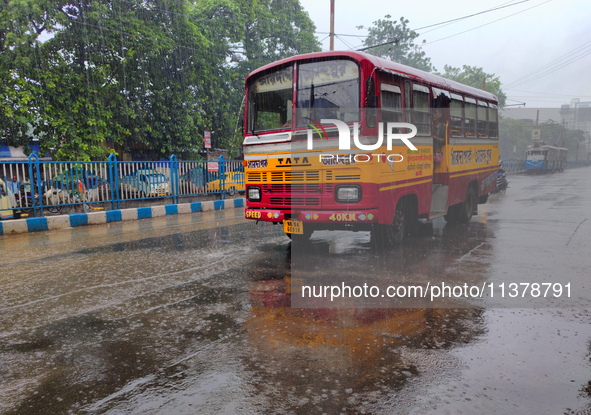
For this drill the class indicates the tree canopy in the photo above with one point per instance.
(149, 76)
(476, 77)
(393, 40)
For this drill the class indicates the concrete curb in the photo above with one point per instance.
(95, 218)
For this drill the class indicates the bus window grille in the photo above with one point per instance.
(276, 201)
(312, 201)
(347, 177)
(296, 201)
(297, 176)
(313, 188)
(275, 188)
(254, 177)
(312, 175)
(298, 188)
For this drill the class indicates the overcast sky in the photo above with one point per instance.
(547, 41)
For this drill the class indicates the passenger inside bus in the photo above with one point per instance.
(439, 134)
(440, 126)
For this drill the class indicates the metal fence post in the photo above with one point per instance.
(114, 180)
(222, 170)
(32, 184)
(174, 179)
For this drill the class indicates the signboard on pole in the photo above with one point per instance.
(213, 166)
(207, 139)
(536, 134)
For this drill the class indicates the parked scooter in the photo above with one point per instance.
(502, 182)
(25, 198)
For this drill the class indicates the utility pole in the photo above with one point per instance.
(563, 127)
(331, 25)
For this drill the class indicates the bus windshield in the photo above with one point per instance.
(328, 89)
(325, 89)
(270, 99)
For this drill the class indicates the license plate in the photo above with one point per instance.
(295, 227)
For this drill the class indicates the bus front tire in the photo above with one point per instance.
(403, 224)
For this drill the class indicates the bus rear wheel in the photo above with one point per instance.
(467, 208)
(464, 211)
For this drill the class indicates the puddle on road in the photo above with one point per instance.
(200, 321)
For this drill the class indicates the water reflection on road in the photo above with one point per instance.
(193, 315)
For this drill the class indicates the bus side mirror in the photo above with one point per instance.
(371, 112)
(372, 101)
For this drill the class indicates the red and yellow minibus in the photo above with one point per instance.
(299, 173)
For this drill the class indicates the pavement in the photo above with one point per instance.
(119, 215)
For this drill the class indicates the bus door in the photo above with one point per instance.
(441, 116)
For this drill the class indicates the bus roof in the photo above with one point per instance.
(388, 66)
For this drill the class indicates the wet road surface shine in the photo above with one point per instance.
(192, 315)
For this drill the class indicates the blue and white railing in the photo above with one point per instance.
(38, 187)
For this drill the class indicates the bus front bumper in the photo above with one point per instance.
(314, 216)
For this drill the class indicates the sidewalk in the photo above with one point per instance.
(96, 218)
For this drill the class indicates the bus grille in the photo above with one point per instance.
(344, 175)
(256, 177)
(289, 176)
(292, 188)
(295, 201)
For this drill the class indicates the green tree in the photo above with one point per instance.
(124, 72)
(476, 77)
(393, 40)
(246, 35)
(514, 137)
(556, 134)
(147, 76)
(22, 22)
(516, 134)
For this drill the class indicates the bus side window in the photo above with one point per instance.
(391, 99)
(407, 102)
(456, 116)
(481, 113)
(470, 117)
(493, 121)
(421, 109)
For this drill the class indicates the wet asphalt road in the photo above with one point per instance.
(191, 315)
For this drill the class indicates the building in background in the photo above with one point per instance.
(577, 116)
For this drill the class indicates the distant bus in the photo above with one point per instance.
(544, 158)
(326, 188)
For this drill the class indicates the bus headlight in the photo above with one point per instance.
(348, 193)
(254, 194)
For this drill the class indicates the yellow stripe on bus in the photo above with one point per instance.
(472, 172)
